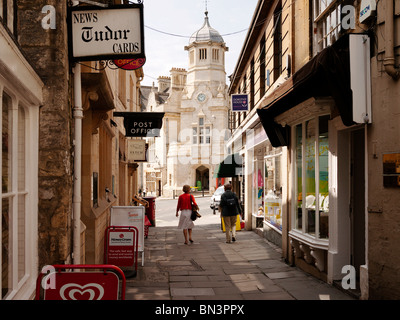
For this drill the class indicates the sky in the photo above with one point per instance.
(176, 20)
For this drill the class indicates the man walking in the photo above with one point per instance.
(230, 209)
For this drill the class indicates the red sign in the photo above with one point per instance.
(121, 246)
(82, 285)
(130, 64)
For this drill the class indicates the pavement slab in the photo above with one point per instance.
(210, 269)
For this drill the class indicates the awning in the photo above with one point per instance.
(142, 124)
(327, 74)
(230, 167)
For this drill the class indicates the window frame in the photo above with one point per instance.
(321, 17)
(295, 229)
(201, 133)
(22, 230)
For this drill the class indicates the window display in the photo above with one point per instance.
(299, 175)
(273, 189)
(258, 187)
(314, 167)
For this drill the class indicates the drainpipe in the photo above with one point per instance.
(77, 199)
(77, 196)
(389, 61)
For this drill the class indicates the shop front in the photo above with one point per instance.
(266, 174)
(314, 118)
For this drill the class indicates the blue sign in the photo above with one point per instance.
(240, 102)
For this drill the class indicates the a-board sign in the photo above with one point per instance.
(84, 286)
(89, 282)
(130, 216)
(121, 247)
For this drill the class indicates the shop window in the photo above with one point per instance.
(273, 188)
(299, 176)
(311, 177)
(258, 186)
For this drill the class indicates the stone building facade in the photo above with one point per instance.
(48, 52)
(22, 93)
(326, 93)
(38, 147)
(196, 117)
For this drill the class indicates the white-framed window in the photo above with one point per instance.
(201, 134)
(273, 188)
(327, 23)
(16, 219)
(8, 14)
(311, 177)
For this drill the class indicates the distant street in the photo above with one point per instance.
(166, 209)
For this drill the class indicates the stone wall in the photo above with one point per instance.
(47, 51)
(383, 138)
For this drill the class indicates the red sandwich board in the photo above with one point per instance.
(121, 246)
(81, 282)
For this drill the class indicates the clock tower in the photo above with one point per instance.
(204, 107)
(206, 57)
(195, 125)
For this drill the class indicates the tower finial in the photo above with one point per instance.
(206, 12)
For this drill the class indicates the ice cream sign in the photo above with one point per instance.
(106, 33)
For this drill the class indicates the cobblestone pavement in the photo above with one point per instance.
(210, 269)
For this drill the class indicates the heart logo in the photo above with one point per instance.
(90, 291)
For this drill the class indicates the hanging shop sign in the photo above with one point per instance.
(142, 124)
(137, 150)
(115, 32)
(240, 102)
(130, 64)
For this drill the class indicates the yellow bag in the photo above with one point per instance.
(238, 227)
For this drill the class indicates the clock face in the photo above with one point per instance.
(201, 97)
